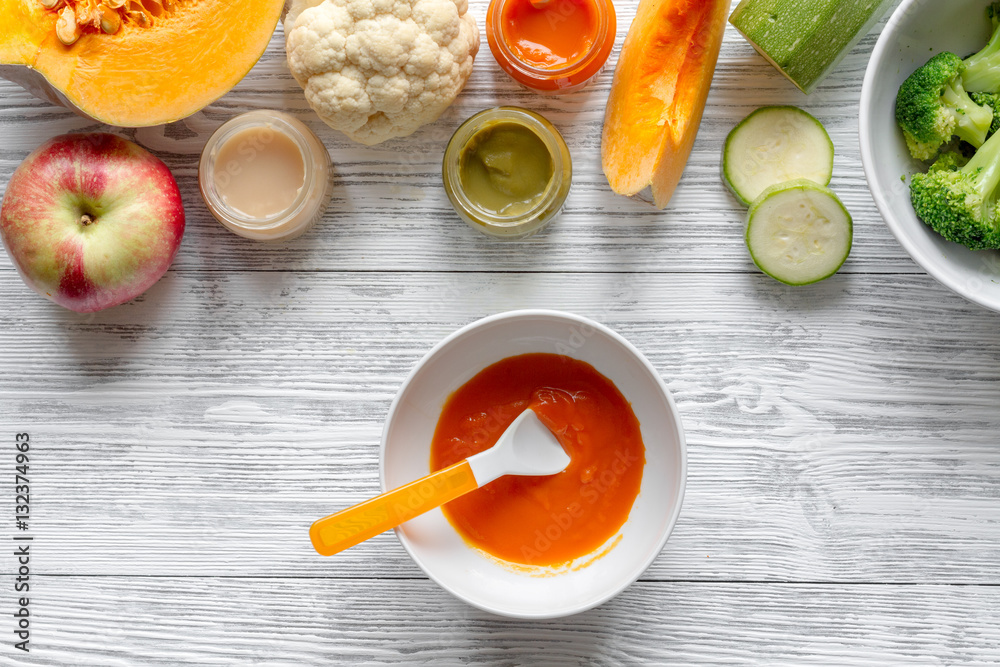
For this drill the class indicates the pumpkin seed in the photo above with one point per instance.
(140, 16)
(111, 21)
(66, 28)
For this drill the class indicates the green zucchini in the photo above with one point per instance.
(806, 39)
(798, 232)
(773, 145)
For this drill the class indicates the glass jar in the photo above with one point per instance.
(526, 217)
(551, 46)
(265, 176)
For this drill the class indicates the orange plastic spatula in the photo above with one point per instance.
(527, 447)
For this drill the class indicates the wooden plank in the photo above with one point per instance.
(842, 432)
(206, 620)
(390, 210)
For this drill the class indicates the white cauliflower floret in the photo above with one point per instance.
(378, 69)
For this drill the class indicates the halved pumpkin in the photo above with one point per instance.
(658, 94)
(163, 61)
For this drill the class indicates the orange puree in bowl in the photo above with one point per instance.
(544, 520)
(551, 35)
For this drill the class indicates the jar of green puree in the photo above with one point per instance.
(507, 172)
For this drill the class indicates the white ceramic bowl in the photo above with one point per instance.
(480, 580)
(917, 30)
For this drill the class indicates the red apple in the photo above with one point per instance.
(91, 220)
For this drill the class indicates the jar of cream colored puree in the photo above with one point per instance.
(265, 176)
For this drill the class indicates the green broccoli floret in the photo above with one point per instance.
(932, 106)
(960, 202)
(982, 70)
(949, 161)
(991, 100)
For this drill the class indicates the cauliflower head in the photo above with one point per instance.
(378, 69)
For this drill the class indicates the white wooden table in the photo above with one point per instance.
(843, 500)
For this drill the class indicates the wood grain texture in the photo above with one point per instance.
(843, 500)
(205, 621)
(836, 433)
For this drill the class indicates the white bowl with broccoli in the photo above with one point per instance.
(917, 31)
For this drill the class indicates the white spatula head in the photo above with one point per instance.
(527, 447)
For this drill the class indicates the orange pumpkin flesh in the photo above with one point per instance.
(190, 56)
(658, 94)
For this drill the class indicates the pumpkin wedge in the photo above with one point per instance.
(132, 63)
(659, 92)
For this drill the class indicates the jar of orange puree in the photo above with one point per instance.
(551, 46)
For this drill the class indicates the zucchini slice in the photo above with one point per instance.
(798, 232)
(774, 145)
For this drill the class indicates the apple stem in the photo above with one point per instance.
(86, 219)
